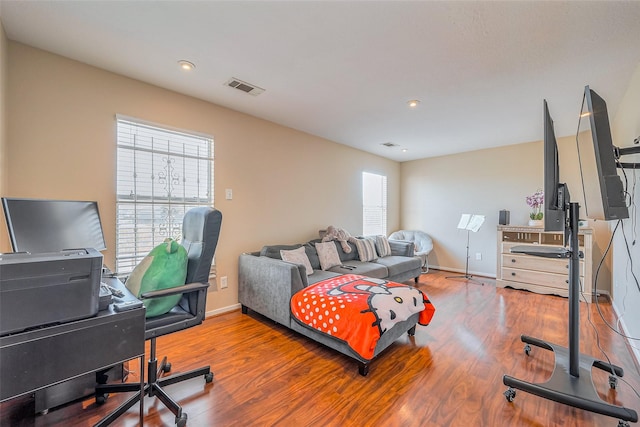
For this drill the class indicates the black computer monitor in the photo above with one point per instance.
(555, 193)
(38, 225)
(602, 189)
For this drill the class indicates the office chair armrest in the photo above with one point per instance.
(188, 288)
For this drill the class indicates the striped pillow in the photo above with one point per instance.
(366, 249)
(382, 246)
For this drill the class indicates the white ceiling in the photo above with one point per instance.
(344, 70)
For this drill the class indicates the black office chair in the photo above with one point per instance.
(200, 231)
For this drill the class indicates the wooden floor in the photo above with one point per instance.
(449, 374)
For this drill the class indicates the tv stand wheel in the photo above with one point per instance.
(623, 423)
(208, 377)
(527, 349)
(510, 394)
(166, 368)
(613, 381)
(101, 398)
(182, 420)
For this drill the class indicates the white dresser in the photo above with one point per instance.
(537, 274)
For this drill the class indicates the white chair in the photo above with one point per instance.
(422, 241)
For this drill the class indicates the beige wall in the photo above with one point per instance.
(626, 291)
(4, 243)
(286, 184)
(436, 191)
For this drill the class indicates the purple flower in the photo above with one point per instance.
(536, 201)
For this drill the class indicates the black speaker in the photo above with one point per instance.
(504, 217)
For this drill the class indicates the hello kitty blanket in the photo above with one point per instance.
(359, 309)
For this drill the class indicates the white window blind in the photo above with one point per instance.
(374, 204)
(161, 173)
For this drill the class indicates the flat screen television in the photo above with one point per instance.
(38, 225)
(556, 194)
(602, 189)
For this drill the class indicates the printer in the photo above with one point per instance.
(48, 288)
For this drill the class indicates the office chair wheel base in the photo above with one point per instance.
(181, 421)
(101, 398)
(613, 381)
(510, 394)
(527, 349)
(208, 377)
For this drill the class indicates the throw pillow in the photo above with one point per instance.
(382, 246)
(328, 255)
(366, 249)
(297, 256)
(163, 268)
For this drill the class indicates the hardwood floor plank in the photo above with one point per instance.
(448, 374)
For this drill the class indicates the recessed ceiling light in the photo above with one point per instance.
(186, 65)
(404, 150)
(413, 103)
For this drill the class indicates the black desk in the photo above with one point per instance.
(43, 357)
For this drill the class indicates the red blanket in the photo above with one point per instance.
(359, 309)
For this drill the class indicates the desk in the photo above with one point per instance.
(43, 357)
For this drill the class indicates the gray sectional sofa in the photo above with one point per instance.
(266, 284)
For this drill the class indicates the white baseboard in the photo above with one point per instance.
(457, 270)
(222, 310)
(633, 346)
(603, 293)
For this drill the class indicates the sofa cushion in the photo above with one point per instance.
(312, 254)
(382, 246)
(273, 251)
(369, 269)
(297, 256)
(328, 255)
(344, 256)
(366, 249)
(399, 264)
(320, 275)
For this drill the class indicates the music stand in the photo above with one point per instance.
(470, 223)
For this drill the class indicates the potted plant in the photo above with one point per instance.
(536, 202)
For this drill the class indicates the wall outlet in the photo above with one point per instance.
(478, 256)
(223, 282)
(228, 194)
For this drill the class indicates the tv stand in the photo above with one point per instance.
(571, 382)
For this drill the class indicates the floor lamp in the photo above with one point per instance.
(470, 223)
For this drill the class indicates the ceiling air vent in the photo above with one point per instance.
(244, 86)
(389, 144)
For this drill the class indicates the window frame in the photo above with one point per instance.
(376, 208)
(180, 161)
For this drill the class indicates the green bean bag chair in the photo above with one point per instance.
(163, 268)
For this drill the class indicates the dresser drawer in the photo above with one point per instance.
(552, 280)
(538, 274)
(549, 265)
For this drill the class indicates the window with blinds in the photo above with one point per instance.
(374, 204)
(161, 173)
